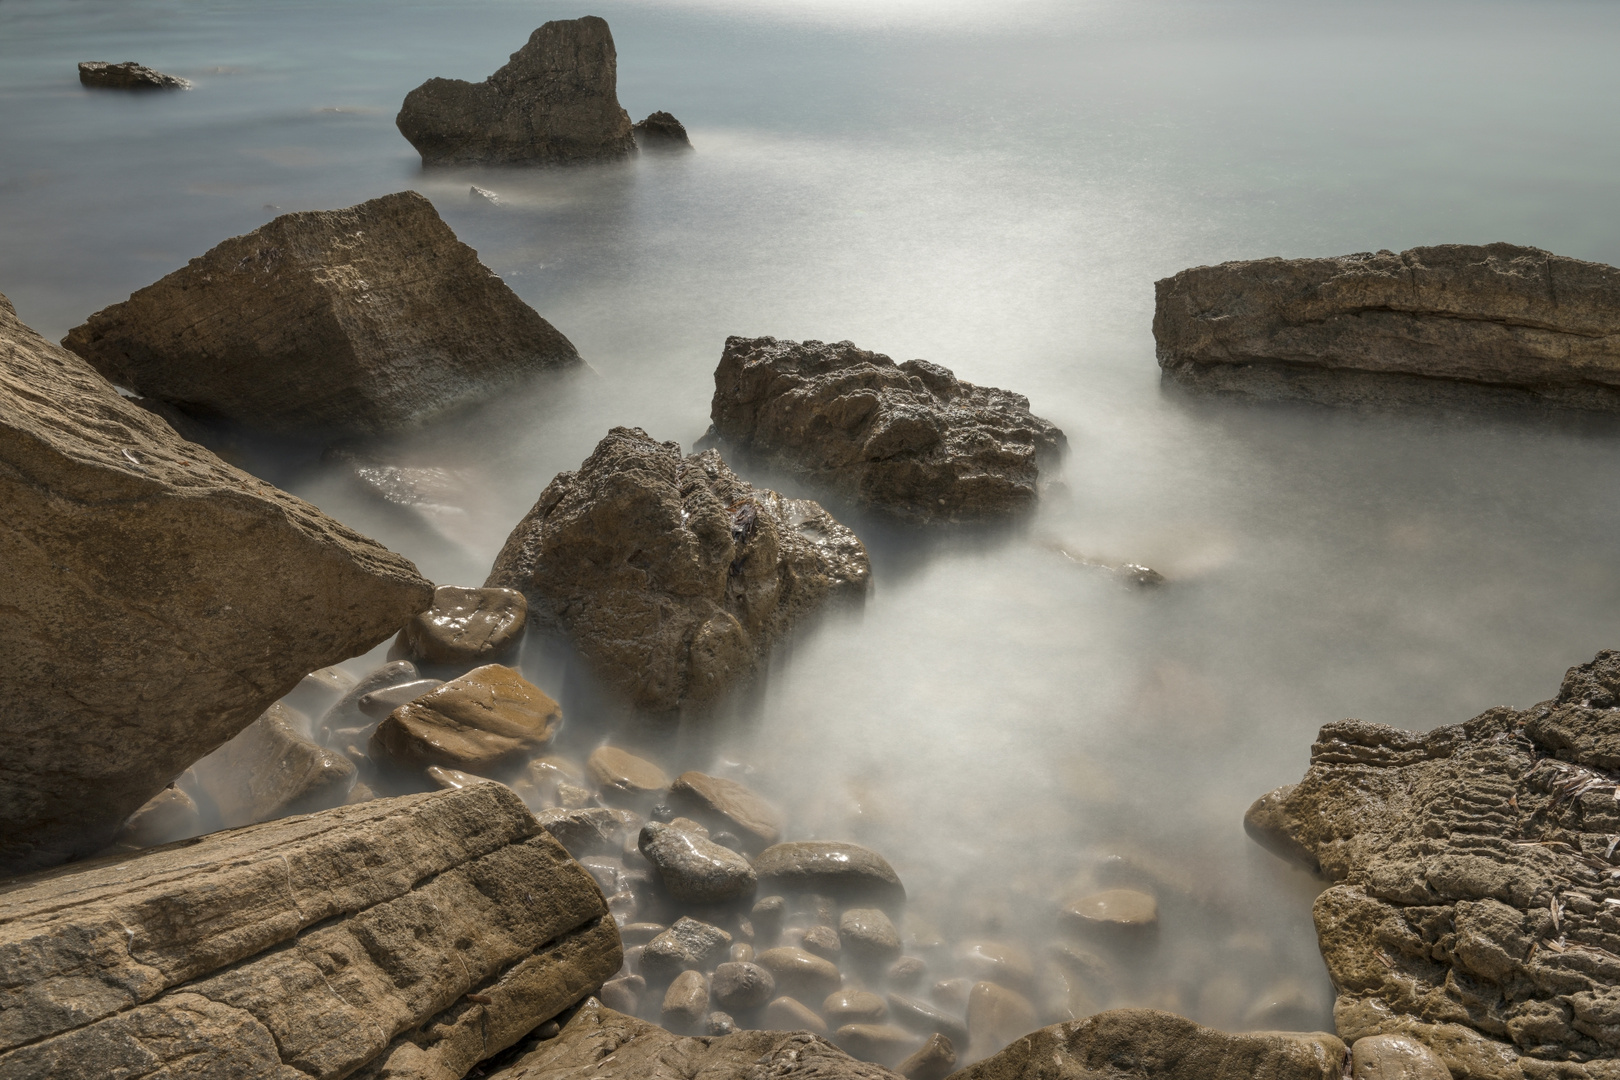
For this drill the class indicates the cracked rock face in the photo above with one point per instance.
(673, 576)
(1475, 905)
(910, 439)
(1455, 323)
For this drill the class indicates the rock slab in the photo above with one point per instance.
(360, 320)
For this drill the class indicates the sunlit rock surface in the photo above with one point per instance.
(364, 319)
(1492, 324)
(466, 626)
(158, 601)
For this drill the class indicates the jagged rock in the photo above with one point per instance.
(910, 438)
(1472, 904)
(673, 576)
(1490, 324)
(466, 626)
(689, 945)
(131, 558)
(832, 868)
(362, 320)
(1127, 1044)
(271, 770)
(407, 937)
(128, 76)
(555, 102)
(661, 131)
(489, 720)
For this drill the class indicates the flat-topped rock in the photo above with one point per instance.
(363, 320)
(1495, 323)
(838, 869)
(466, 626)
(911, 439)
(127, 76)
(490, 719)
(728, 804)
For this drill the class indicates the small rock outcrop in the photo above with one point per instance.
(127, 76)
(673, 576)
(1474, 880)
(1453, 323)
(408, 937)
(910, 439)
(556, 102)
(133, 559)
(359, 320)
(466, 626)
(661, 131)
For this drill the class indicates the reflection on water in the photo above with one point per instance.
(995, 193)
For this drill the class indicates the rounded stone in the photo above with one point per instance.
(907, 972)
(885, 1044)
(1113, 909)
(922, 1017)
(996, 1016)
(998, 962)
(790, 1014)
(624, 993)
(869, 934)
(693, 869)
(853, 1007)
(849, 872)
(377, 704)
(620, 772)
(686, 1002)
(741, 985)
(688, 945)
(466, 626)
(1395, 1057)
(742, 952)
(799, 973)
(823, 941)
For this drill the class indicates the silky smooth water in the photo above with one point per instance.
(993, 187)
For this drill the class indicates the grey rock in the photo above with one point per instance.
(790, 1014)
(869, 934)
(688, 945)
(842, 870)
(695, 870)
(767, 915)
(740, 986)
(127, 76)
(661, 131)
(719, 1023)
(800, 974)
(270, 771)
(345, 712)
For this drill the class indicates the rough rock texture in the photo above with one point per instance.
(407, 937)
(693, 868)
(1145, 1044)
(600, 1044)
(466, 626)
(910, 438)
(270, 770)
(1494, 323)
(130, 76)
(358, 320)
(661, 131)
(1474, 906)
(157, 601)
(556, 102)
(673, 576)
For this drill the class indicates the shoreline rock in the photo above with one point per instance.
(104, 75)
(661, 131)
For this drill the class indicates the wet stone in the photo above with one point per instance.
(907, 972)
(823, 941)
(790, 1014)
(1116, 910)
(1395, 1057)
(619, 772)
(767, 914)
(607, 870)
(742, 953)
(319, 691)
(466, 626)
(270, 771)
(169, 815)
(801, 974)
(848, 872)
(885, 1044)
(935, 1060)
(952, 993)
(454, 778)
(346, 714)
(719, 1023)
(624, 993)
(998, 962)
(853, 1007)
(730, 805)
(686, 1002)
(129, 75)
(996, 1016)
(868, 934)
(920, 1016)
(490, 719)
(639, 933)
(377, 704)
(693, 869)
(687, 825)
(741, 985)
(590, 830)
(688, 945)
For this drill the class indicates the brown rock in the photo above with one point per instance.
(377, 704)
(689, 945)
(907, 971)
(466, 626)
(169, 815)
(823, 941)
(129, 76)
(619, 772)
(270, 771)
(1112, 910)
(766, 915)
(624, 993)
(742, 952)
(740, 985)
(883, 1043)
(673, 576)
(490, 719)
(364, 319)
(935, 1060)
(833, 868)
(728, 805)
(853, 1007)
(869, 934)
(923, 1017)
(1395, 1057)
(996, 1016)
(910, 439)
(693, 869)
(790, 1014)
(555, 102)
(997, 961)
(345, 712)
(686, 1002)
(590, 830)
(800, 974)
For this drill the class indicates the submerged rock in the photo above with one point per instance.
(466, 626)
(661, 131)
(935, 1060)
(366, 319)
(1496, 323)
(127, 76)
(271, 770)
(910, 438)
(728, 804)
(171, 814)
(131, 558)
(555, 102)
(490, 719)
(689, 945)
(673, 576)
(742, 985)
(838, 869)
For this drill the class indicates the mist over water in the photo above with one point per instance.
(993, 188)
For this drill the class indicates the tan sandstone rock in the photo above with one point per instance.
(271, 770)
(466, 626)
(490, 719)
(727, 804)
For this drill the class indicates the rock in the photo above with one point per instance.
(728, 804)
(1113, 911)
(766, 915)
(319, 691)
(270, 771)
(132, 76)
(345, 713)
(935, 1060)
(719, 1023)
(455, 778)
(686, 1002)
(673, 576)
(1266, 822)
(661, 131)
(688, 826)
(262, 952)
(600, 1044)
(742, 952)
(483, 197)
(693, 869)
(1285, 1005)
(466, 626)
(377, 704)
(910, 439)
(740, 986)
(907, 971)
(169, 815)
(132, 558)
(638, 933)
(689, 945)
(624, 993)
(922, 1017)
(883, 1043)
(847, 871)
(556, 102)
(1395, 1057)
(789, 1014)
(996, 1016)
(1160, 1045)
(853, 1007)
(619, 772)
(491, 718)
(869, 934)
(544, 778)
(1455, 322)
(997, 961)
(800, 974)
(590, 830)
(361, 320)
(953, 992)
(823, 941)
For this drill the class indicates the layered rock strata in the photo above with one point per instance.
(1475, 904)
(910, 439)
(267, 952)
(673, 576)
(359, 320)
(1495, 323)
(127, 76)
(158, 601)
(555, 102)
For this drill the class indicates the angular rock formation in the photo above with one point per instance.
(158, 601)
(673, 576)
(556, 102)
(1474, 898)
(127, 76)
(1490, 324)
(407, 937)
(910, 438)
(661, 131)
(358, 320)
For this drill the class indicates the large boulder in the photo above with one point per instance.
(158, 601)
(673, 576)
(910, 439)
(1473, 895)
(1454, 323)
(408, 938)
(555, 102)
(357, 320)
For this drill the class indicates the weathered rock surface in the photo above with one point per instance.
(661, 131)
(689, 945)
(1395, 1057)
(1492, 323)
(466, 626)
(266, 952)
(837, 869)
(1473, 905)
(1145, 1044)
(673, 576)
(740, 986)
(363, 320)
(694, 869)
(131, 558)
(933, 1061)
(555, 102)
(589, 830)
(910, 438)
(270, 770)
(132, 76)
